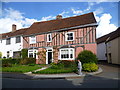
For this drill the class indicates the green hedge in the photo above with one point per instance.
(89, 67)
(87, 57)
(9, 61)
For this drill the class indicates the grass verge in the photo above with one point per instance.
(20, 68)
(54, 71)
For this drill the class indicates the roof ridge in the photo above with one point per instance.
(62, 18)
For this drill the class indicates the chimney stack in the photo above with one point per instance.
(59, 17)
(13, 27)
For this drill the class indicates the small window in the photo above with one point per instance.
(69, 36)
(49, 37)
(18, 39)
(8, 54)
(32, 39)
(8, 41)
(67, 54)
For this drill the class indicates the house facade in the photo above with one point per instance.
(53, 40)
(113, 47)
(11, 43)
(60, 39)
(108, 47)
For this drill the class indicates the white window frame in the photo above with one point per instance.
(33, 51)
(66, 36)
(69, 52)
(50, 37)
(30, 39)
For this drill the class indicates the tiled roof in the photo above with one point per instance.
(51, 25)
(57, 24)
(109, 36)
(11, 34)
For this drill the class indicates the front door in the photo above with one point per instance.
(49, 55)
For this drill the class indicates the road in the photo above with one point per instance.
(107, 79)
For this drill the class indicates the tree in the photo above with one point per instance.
(0, 54)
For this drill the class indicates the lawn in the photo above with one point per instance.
(55, 71)
(20, 68)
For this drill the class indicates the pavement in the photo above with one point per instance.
(29, 75)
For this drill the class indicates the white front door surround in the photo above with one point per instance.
(49, 55)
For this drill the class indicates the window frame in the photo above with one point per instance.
(8, 42)
(69, 53)
(33, 52)
(49, 37)
(66, 36)
(30, 40)
(18, 39)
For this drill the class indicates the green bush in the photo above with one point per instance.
(24, 53)
(28, 61)
(87, 57)
(89, 67)
(68, 63)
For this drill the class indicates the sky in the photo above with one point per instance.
(24, 14)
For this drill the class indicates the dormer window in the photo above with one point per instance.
(69, 36)
(8, 40)
(32, 39)
(49, 37)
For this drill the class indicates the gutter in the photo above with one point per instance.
(81, 26)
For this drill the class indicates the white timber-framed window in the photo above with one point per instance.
(69, 36)
(32, 53)
(49, 37)
(67, 54)
(32, 39)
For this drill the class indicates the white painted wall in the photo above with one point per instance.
(11, 47)
(101, 51)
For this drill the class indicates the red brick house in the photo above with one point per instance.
(61, 39)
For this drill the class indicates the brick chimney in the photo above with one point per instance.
(59, 17)
(14, 27)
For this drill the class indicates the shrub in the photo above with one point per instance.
(87, 57)
(68, 63)
(9, 61)
(89, 67)
(28, 61)
(24, 53)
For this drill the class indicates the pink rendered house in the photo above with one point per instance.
(60, 39)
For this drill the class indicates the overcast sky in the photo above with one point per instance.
(23, 14)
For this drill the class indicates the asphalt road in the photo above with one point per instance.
(107, 79)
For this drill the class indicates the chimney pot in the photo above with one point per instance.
(13, 27)
(59, 17)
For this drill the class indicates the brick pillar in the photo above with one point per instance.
(55, 54)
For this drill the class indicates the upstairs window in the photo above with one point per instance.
(8, 40)
(32, 39)
(18, 39)
(49, 37)
(69, 36)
